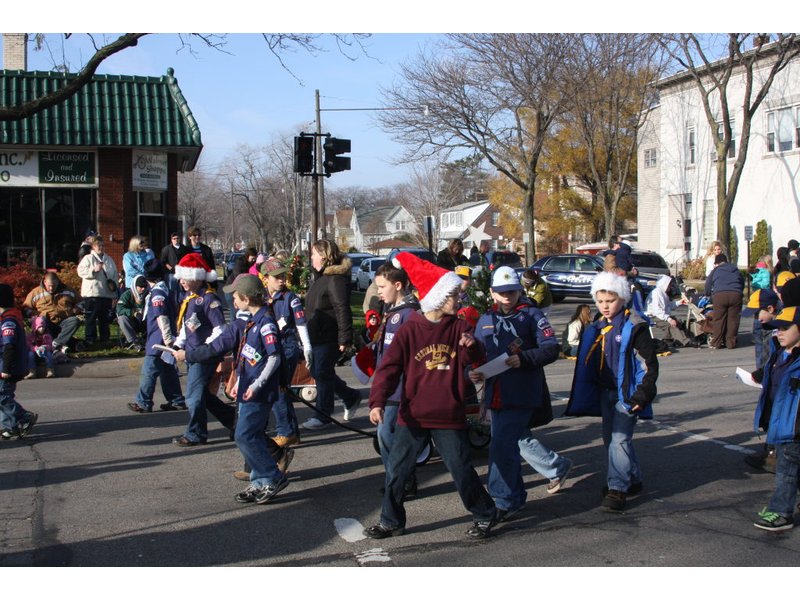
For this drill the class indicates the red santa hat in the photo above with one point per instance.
(433, 283)
(363, 365)
(194, 268)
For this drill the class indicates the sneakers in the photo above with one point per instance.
(556, 484)
(8, 434)
(50, 373)
(481, 529)
(314, 423)
(615, 500)
(31, 374)
(185, 442)
(771, 521)
(168, 406)
(283, 440)
(634, 490)
(350, 413)
(24, 427)
(381, 531)
(137, 408)
(285, 459)
(248, 494)
(267, 493)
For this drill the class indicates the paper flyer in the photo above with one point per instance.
(746, 378)
(494, 366)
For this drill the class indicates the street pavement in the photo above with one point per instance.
(97, 485)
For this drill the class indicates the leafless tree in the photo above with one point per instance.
(757, 68)
(199, 197)
(497, 94)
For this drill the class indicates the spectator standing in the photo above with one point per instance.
(714, 250)
(476, 258)
(15, 421)
(622, 255)
(86, 246)
(98, 289)
(130, 313)
(452, 256)
(725, 286)
(58, 304)
(133, 261)
(173, 252)
(330, 329)
(197, 247)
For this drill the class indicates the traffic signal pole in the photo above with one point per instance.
(319, 188)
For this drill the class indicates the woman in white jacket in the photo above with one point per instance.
(98, 289)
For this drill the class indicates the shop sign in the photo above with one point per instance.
(50, 168)
(149, 170)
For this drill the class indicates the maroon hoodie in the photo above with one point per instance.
(433, 368)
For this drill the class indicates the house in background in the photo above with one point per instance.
(381, 224)
(677, 208)
(472, 222)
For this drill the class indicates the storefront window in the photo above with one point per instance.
(151, 218)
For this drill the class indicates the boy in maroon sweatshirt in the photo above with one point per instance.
(431, 352)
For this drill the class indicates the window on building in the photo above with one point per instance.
(445, 220)
(721, 134)
(782, 126)
(151, 217)
(650, 158)
(495, 218)
(458, 221)
(709, 222)
(691, 144)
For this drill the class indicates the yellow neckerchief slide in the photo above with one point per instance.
(185, 304)
(601, 339)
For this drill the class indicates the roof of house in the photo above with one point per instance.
(464, 206)
(110, 111)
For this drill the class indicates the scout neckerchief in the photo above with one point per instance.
(242, 342)
(504, 322)
(601, 339)
(185, 304)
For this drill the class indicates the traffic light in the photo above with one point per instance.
(333, 162)
(304, 154)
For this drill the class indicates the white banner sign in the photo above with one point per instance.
(19, 168)
(149, 170)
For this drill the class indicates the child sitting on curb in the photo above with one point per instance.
(40, 348)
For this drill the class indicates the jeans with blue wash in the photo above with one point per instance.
(385, 433)
(11, 411)
(199, 399)
(505, 471)
(62, 332)
(154, 368)
(787, 468)
(47, 358)
(323, 370)
(453, 447)
(283, 409)
(544, 461)
(256, 448)
(618, 424)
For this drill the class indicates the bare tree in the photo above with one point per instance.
(295, 194)
(497, 94)
(757, 68)
(199, 197)
(611, 75)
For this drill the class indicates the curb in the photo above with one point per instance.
(100, 368)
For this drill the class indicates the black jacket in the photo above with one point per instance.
(327, 306)
(170, 255)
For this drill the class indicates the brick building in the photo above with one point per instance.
(105, 160)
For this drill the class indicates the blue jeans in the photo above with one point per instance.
(11, 411)
(251, 438)
(505, 472)
(62, 333)
(154, 368)
(199, 399)
(454, 449)
(47, 358)
(283, 409)
(386, 433)
(623, 466)
(323, 370)
(786, 477)
(543, 460)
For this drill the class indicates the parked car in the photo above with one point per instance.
(647, 261)
(503, 258)
(573, 274)
(230, 262)
(366, 272)
(355, 259)
(422, 253)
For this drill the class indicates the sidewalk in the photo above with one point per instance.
(100, 367)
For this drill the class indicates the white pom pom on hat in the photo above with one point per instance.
(609, 282)
(192, 267)
(433, 283)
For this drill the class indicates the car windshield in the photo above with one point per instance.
(648, 260)
(558, 263)
(357, 260)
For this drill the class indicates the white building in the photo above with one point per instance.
(677, 209)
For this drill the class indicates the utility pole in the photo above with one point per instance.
(320, 188)
(233, 222)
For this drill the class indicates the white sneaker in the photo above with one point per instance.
(350, 413)
(313, 423)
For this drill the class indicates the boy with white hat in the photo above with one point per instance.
(429, 354)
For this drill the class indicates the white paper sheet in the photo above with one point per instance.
(494, 366)
(746, 378)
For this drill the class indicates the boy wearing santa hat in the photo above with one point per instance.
(429, 355)
(200, 320)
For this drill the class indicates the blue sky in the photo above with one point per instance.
(244, 95)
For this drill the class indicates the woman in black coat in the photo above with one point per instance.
(330, 327)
